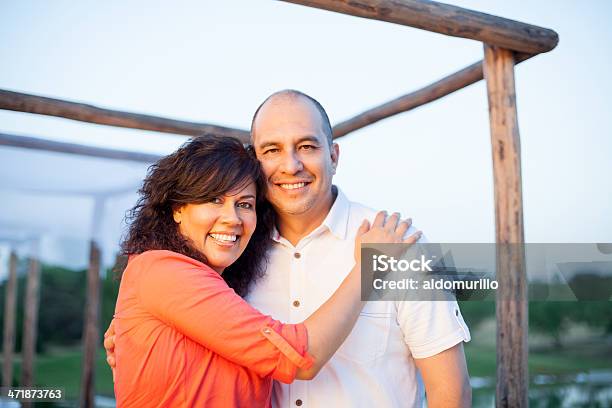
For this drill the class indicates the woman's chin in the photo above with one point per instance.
(220, 265)
(221, 259)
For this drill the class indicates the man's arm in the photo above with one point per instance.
(446, 379)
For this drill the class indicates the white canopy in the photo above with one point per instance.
(51, 198)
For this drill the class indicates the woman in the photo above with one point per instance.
(198, 238)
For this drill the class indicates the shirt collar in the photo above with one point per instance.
(336, 220)
(275, 234)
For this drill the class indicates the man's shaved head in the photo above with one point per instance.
(291, 94)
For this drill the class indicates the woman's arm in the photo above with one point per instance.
(329, 325)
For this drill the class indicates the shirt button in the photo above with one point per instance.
(296, 303)
(297, 255)
(298, 402)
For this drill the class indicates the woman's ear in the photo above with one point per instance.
(177, 215)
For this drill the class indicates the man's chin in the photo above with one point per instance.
(295, 208)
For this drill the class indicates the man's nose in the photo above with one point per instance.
(292, 163)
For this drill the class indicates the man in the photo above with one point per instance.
(378, 364)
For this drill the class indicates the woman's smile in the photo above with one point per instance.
(225, 239)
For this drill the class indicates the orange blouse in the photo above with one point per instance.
(184, 338)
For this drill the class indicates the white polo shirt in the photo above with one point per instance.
(374, 367)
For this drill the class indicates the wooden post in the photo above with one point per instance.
(91, 330)
(9, 322)
(30, 322)
(511, 308)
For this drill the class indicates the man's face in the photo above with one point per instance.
(295, 155)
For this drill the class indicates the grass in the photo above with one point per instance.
(62, 368)
(482, 360)
(583, 349)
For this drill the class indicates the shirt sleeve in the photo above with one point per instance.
(430, 327)
(195, 300)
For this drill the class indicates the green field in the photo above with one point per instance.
(62, 367)
(482, 361)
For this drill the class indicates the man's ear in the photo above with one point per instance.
(177, 214)
(335, 156)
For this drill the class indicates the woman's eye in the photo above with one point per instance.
(245, 205)
(217, 200)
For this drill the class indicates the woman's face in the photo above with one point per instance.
(220, 229)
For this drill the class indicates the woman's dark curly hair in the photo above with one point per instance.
(201, 170)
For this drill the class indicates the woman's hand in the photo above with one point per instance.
(384, 230)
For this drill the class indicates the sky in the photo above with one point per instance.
(211, 61)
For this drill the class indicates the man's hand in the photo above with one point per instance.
(109, 346)
(447, 384)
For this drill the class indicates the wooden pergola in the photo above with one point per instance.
(506, 43)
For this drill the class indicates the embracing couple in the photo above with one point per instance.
(242, 287)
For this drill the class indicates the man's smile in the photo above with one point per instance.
(293, 186)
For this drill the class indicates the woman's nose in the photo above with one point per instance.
(229, 214)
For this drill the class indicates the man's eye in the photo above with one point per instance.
(245, 205)
(308, 147)
(271, 151)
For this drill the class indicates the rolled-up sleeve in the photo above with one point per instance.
(195, 300)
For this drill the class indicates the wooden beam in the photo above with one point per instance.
(91, 342)
(28, 142)
(447, 85)
(446, 19)
(511, 307)
(437, 90)
(8, 343)
(21, 102)
(30, 323)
